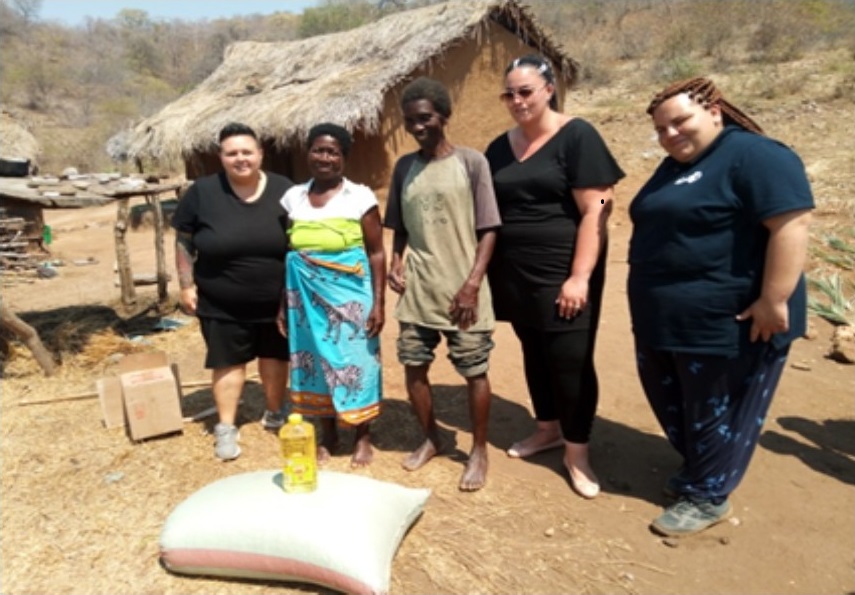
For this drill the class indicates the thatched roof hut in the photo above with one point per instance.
(16, 142)
(354, 78)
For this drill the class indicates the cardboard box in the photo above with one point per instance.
(145, 397)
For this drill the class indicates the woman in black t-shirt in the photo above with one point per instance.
(716, 290)
(553, 177)
(229, 253)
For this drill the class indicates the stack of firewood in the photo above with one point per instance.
(17, 261)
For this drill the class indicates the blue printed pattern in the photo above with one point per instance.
(712, 409)
(335, 367)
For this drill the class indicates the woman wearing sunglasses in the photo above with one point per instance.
(554, 179)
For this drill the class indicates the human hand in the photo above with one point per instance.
(464, 306)
(188, 300)
(282, 323)
(767, 318)
(572, 298)
(397, 283)
(376, 320)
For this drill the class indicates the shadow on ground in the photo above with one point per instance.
(831, 449)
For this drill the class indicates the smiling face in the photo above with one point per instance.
(685, 128)
(326, 159)
(241, 157)
(526, 94)
(424, 123)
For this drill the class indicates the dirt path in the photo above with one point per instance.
(526, 532)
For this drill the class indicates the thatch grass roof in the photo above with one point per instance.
(15, 140)
(282, 89)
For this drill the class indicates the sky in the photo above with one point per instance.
(74, 12)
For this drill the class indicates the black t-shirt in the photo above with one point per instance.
(698, 245)
(535, 245)
(239, 269)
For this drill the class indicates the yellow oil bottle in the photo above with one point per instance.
(299, 455)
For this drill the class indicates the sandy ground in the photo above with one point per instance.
(526, 531)
(69, 526)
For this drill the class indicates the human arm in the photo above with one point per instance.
(185, 255)
(397, 283)
(786, 253)
(282, 314)
(595, 206)
(464, 304)
(372, 234)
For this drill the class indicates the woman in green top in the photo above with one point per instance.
(335, 278)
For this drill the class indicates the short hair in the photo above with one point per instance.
(431, 90)
(236, 129)
(339, 133)
(543, 68)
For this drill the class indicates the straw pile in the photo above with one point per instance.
(17, 142)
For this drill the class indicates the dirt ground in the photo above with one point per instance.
(82, 507)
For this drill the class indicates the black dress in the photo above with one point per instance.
(535, 245)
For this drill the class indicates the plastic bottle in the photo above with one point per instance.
(299, 455)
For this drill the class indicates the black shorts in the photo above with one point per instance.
(231, 343)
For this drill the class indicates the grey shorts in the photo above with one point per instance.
(469, 352)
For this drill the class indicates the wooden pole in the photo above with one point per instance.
(162, 275)
(94, 394)
(29, 336)
(123, 262)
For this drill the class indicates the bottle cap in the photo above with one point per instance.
(295, 418)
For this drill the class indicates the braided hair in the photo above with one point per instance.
(703, 91)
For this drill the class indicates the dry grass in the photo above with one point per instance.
(83, 507)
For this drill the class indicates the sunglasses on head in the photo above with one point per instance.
(522, 92)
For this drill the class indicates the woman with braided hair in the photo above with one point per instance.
(716, 290)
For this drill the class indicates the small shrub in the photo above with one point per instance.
(837, 308)
(675, 69)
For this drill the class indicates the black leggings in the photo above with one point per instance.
(562, 382)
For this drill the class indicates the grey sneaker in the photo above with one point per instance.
(272, 420)
(227, 448)
(687, 516)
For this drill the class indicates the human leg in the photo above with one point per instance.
(660, 381)
(227, 385)
(416, 345)
(419, 393)
(547, 434)
(470, 354)
(570, 366)
(274, 381)
(271, 349)
(363, 453)
(475, 474)
(329, 440)
(726, 401)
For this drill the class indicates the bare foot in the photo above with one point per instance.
(546, 437)
(475, 475)
(363, 454)
(582, 478)
(420, 456)
(324, 455)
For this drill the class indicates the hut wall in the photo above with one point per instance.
(473, 72)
